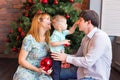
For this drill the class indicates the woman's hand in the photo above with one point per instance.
(40, 70)
(49, 71)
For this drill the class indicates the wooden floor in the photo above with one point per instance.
(8, 67)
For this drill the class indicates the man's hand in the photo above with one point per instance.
(59, 56)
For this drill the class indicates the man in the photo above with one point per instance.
(94, 56)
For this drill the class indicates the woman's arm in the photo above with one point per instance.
(23, 62)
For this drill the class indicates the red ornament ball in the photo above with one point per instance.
(14, 49)
(71, 1)
(19, 29)
(66, 45)
(22, 34)
(8, 40)
(55, 2)
(67, 16)
(29, 1)
(45, 1)
(46, 63)
(11, 31)
(39, 12)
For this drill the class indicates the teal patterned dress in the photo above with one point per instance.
(36, 52)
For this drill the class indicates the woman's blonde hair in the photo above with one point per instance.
(36, 25)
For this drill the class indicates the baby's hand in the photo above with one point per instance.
(66, 43)
(77, 22)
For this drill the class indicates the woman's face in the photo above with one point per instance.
(46, 22)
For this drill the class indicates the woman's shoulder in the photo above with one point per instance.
(29, 38)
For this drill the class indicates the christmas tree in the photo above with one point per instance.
(63, 7)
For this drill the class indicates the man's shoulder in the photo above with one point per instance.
(101, 34)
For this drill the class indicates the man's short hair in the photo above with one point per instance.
(90, 15)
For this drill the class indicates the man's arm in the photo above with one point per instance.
(89, 59)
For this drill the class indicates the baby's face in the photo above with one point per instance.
(64, 25)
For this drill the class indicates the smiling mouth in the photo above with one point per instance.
(48, 23)
(49, 26)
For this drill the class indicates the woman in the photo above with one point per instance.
(34, 48)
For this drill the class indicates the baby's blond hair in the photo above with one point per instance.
(57, 19)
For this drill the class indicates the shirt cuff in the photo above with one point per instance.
(69, 59)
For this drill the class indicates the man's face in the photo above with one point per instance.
(82, 24)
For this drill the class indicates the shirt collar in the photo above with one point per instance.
(91, 33)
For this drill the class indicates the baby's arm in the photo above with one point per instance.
(58, 43)
(72, 29)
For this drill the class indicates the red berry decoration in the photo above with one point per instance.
(46, 63)
(71, 1)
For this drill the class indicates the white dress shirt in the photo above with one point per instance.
(94, 56)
